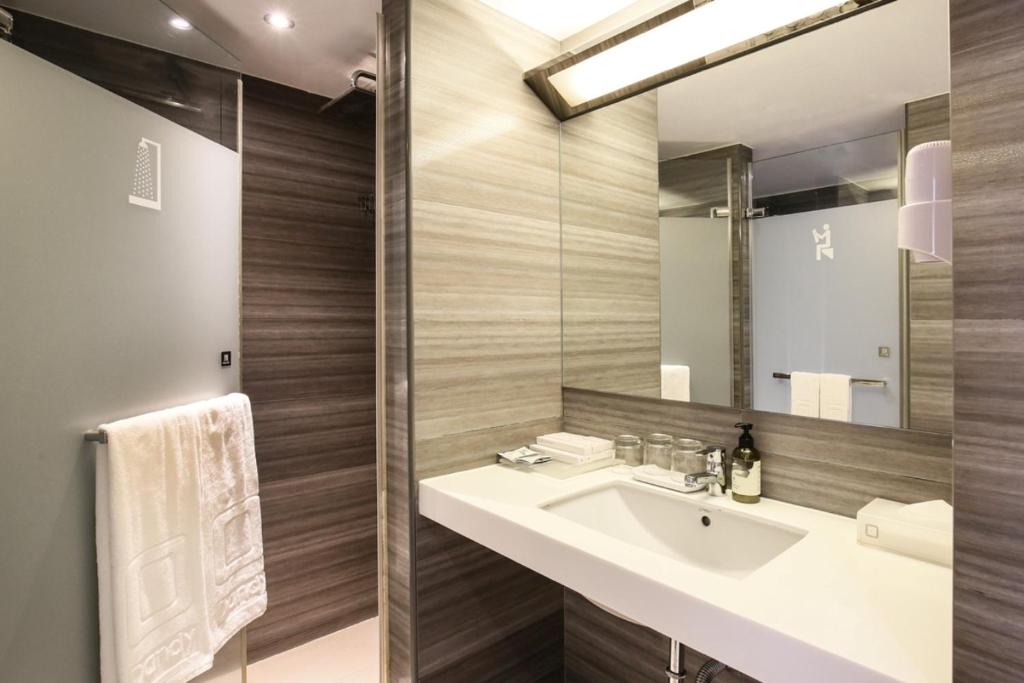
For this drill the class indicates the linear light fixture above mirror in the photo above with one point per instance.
(681, 41)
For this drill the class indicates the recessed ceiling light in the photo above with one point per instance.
(180, 24)
(279, 20)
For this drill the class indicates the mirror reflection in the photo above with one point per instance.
(750, 256)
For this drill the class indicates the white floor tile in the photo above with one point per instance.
(347, 656)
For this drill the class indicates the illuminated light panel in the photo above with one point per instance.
(701, 32)
(279, 21)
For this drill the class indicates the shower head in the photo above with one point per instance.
(363, 84)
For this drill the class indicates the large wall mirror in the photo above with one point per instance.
(746, 254)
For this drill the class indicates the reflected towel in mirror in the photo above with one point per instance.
(804, 394)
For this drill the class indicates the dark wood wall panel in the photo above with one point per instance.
(308, 342)
(602, 648)
(140, 74)
(482, 617)
(931, 300)
(988, 247)
(400, 507)
(832, 466)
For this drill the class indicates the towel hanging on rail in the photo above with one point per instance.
(178, 539)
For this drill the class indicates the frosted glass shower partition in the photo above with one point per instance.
(826, 276)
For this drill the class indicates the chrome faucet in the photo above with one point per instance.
(714, 475)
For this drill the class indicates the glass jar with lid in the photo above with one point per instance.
(687, 457)
(658, 451)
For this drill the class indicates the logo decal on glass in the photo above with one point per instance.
(823, 243)
(146, 179)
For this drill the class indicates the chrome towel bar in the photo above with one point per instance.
(861, 382)
(96, 435)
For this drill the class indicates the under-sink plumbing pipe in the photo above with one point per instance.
(675, 670)
(707, 673)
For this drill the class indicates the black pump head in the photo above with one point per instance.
(746, 440)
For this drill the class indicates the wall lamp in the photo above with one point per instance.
(679, 42)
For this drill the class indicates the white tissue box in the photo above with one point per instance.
(922, 530)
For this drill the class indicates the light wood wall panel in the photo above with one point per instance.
(931, 300)
(486, 321)
(988, 248)
(610, 249)
(308, 360)
(485, 232)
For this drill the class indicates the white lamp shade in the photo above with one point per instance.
(926, 222)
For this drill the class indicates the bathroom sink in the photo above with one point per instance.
(681, 528)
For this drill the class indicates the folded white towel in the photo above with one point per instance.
(575, 443)
(804, 394)
(675, 382)
(178, 538)
(572, 458)
(836, 402)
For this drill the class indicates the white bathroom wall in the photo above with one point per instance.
(108, 309)
(695, 304)
(828, 314)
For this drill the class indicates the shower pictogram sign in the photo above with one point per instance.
(146, 178)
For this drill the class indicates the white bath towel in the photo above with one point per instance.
(178, 539)
(836, 399)
(804, 394)
(675, 382)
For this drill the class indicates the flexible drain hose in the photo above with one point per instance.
(707, 673)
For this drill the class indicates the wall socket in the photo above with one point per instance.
(884, 352)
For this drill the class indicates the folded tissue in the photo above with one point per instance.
(920, 530)
(523, 456)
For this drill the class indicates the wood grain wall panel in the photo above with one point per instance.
(308, 360)
(602, 648)
(931, 300)
(988, 243)
(143, 75)
(481, 616)
(486, 316)
(832, 466)
(610, 249)
(608, 415)
(399, 528)
(486, 296)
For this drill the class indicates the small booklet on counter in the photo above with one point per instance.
(524, 456)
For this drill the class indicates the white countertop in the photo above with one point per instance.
(827, 610)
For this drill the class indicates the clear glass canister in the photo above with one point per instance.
(686, 456)
(629, 449)
(658, 451)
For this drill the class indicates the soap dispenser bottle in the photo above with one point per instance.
(746, 468)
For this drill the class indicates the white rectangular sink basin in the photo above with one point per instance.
(667, 523)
